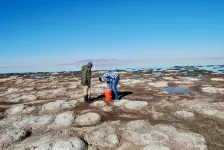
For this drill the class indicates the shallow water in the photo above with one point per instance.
(38, 77)
(204, 83)
(157, 73)
(141, 79)
(135, 75)
(200, 76)
(176, 90)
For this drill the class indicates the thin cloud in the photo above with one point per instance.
(105, 62)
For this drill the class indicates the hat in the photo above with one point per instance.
(90, 64)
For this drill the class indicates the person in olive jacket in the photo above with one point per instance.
(86, 80)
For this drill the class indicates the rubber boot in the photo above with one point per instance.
(86, 98)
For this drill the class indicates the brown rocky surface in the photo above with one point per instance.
(47, 112)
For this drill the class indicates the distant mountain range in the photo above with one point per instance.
(99, 62)
(104, 62)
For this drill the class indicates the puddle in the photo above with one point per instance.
(140, 79)
(194, 77)
(200, 76)
(135, 75)
(38, 77)
(189, 77)
(176, 90)
(157, 73)
(204, 83)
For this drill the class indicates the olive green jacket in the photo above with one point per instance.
(86, 76)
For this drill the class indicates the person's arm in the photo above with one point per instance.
(83, 76)
(106, 77)
(88, 75)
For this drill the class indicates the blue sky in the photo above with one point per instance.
(45, 32)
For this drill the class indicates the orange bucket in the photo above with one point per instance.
(108, 95)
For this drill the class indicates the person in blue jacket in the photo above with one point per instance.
(112, 80)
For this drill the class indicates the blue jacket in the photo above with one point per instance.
(110, 76)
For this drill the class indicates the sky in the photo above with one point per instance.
(49, 32)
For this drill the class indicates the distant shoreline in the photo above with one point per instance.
(178, 68)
